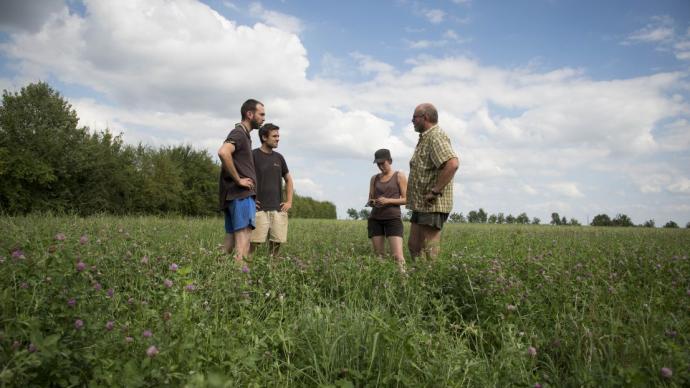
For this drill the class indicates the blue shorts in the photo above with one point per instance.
(239, 214)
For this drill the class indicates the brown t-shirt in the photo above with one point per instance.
(388, 189)
(270, 169)
(244, 163)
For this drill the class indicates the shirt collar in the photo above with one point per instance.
(435, 127)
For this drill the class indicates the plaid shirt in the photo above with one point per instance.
(433, 149)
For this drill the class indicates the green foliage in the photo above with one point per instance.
(601, 220)
(671, 224)
(502, 306)
(353, 213)
(306, 207)
(649, 224)
(456, 218)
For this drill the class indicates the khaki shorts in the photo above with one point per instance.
(272, 224)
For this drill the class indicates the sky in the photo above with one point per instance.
(575, 107)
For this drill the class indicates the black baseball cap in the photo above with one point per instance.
(382, 155)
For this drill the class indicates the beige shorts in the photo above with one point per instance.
(272, 224)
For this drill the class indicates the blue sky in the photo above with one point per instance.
(575, 107)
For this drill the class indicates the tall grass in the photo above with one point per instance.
(503, 305)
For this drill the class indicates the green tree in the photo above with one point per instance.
(364, 214)
(492, 219)
(622, 220)
(353, 213)
(555, 219)
(574, 222)
(500, 218)
(456, 218)
(510, 219)
(481, 214)
(649, 224)
(522, 218)
(601, 220)
(671, 224)
(536, 221)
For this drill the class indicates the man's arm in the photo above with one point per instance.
(225, 154)
(287, 205)
(446, 175)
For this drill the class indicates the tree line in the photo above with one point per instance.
(480, 216)
(48, 163)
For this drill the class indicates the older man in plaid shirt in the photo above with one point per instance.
(429, 188)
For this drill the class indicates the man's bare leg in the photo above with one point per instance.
(229, 243)
(415, 242)
(242, 244)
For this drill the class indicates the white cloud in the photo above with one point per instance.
(425, 44)
(308, 188)
(568, 189)
(681, 186)
(279, 20)
(434, 16)
(660, 29)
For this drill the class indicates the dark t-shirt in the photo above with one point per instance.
(244, 163)
(270, 169)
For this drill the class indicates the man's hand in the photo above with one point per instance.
(247, 183)
(285, 206)
(429, 197)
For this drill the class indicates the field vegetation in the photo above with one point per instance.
(151, 301)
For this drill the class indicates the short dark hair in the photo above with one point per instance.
(249, 106)
(266, 129)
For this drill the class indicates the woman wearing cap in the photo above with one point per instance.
(387, 191)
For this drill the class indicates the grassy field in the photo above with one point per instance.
(153, 301)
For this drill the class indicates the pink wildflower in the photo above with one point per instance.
(666, 373)
(110, 292)
(129, 339)
(72, 302)
(32, 348)
(152, 351)
(168, 283)
(78, 324)
(83, 239)
(532, 351)
(81, 266)
(109, 325)
(60, 237)
(18, 254)
(511, 307)
(190, 288)
(24, 285)
(97, 286)
(147, 334)
(145, 260)
(245, 269)
(173, 267)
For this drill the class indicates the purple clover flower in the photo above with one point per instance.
(245, 269)
(18, 254)
(60, 237)
(666, 373)
(144, 260)
(72, 302)
(152, 351)
(83, 239)
(532, 351)
(97, 286)
(147, 334)
(168, 283)
(190, 288)
(511, 307)
(129, 339)
(110, 293)
(24, 285)
(109, 325)
(81, 266)
(78, 324)
(32, 348)
(173, 267)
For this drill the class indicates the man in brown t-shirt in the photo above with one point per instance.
(238, 181)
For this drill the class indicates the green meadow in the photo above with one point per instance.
(153, 301)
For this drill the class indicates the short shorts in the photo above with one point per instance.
(239, 214)
(386, 228)
(272, 224)
(435, 220)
